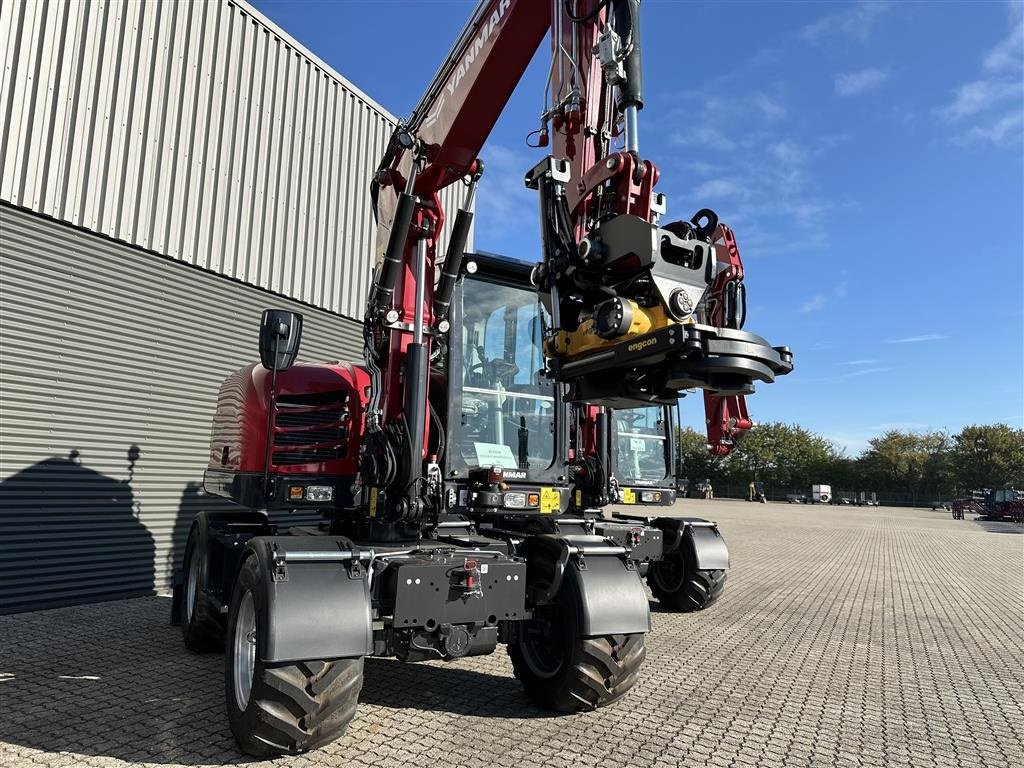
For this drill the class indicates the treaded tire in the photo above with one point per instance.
(201, 627)
(680, 587)
(579, 673)
(292, 707)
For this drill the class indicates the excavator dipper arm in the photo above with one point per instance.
(628, 297)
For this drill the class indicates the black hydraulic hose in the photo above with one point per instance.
(612, 448)
(439, 428)
(588, 16)
(602, 441)
(670, 440)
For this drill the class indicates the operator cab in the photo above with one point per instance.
(644, 456)
(505, 422)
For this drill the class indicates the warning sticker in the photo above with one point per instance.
(579, 498)
(628, 496)
(550, 500)
(373, 502)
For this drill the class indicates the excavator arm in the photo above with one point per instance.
(633, 304)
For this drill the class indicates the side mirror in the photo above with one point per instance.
(280, 334)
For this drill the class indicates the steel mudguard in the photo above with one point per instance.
(316, 598)
(606, 584)
(699, 541)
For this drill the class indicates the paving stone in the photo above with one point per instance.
(845, 637)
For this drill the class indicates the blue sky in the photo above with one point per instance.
(868, 156)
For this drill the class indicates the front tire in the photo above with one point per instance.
(681, 587)
(562, 670)
(281, 708)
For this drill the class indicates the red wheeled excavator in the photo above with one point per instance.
(438, 459)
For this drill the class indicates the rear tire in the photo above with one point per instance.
(281, 708)
(201, 626)
(680, 587)
(560, 669)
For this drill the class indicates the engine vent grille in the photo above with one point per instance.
(310, 456)
(311, 428)
(310, 436)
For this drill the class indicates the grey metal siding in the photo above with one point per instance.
(198, 130)
(110, 362)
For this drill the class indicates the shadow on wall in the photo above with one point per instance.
(72, 535)
(193, 501)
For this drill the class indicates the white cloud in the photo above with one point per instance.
(815, 304)
(980, 96)
(504, 205)
(854, 22)
(788, 152)
(860, 362)
(1001, 131)
(771, 109)
(853, 83)
(703, 136)
(917, 339)
(719, 188)
(990, 110)
(754, 177)
(865, 372)
(1008, 54)
(854, 374)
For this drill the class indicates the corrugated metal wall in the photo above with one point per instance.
(110, 361)
(195, 129)
(189, 129)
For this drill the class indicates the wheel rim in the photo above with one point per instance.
(191, 586)
(669, 575)
(542, 647)
(244, 650)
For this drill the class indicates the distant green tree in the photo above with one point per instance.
(693, 461)
(783, 456)
(988, 456)
(916, 463)
(920, 466)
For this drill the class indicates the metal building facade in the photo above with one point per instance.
(110, 362)
(167, 170)
(195, 129)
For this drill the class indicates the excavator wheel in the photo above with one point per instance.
(201, 628)
(281, 709)
(679, 586)
(562, 670)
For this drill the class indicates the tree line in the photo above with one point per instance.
(916, 467)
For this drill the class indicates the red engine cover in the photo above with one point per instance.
(317, 426)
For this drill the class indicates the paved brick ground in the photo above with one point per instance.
(846, 637)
